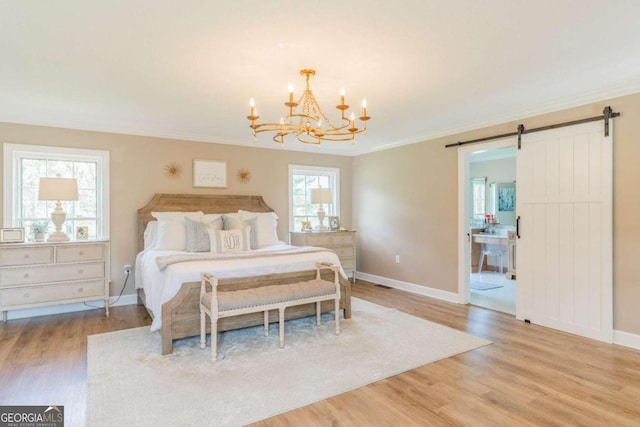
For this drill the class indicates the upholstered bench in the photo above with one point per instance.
(217, 304)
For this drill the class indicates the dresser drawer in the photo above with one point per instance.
(44, 274)
(347, 263)
(318, 240)
(48, 293)
(342, 239)
(26, 255)
(74, 253)
(343, 251)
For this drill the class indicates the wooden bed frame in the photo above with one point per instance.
(181, 314)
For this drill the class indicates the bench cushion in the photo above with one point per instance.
(272, 294)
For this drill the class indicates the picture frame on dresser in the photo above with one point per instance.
(82, 232)
(334, 223)
(11, 235)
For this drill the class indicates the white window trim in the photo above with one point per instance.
(312, 170)
(12, 152)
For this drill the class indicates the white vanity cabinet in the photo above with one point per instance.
(38, 274)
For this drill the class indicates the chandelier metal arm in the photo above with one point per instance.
(313, 125)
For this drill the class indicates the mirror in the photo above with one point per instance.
(504, 202)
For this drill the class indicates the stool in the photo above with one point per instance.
(490, 250)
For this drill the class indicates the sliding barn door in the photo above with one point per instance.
(564, 261)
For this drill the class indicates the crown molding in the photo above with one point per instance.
(552, 107)
(125, 129)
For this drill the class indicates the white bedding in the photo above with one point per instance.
(160, 286)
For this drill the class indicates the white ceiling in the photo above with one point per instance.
(186, 69)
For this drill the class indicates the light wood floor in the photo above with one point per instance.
(529, 376)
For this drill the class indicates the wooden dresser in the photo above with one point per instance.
(343, 243)
(38, 274)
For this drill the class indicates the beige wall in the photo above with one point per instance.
(137, 172)
(405, 202)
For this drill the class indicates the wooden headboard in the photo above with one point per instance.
(207, 203)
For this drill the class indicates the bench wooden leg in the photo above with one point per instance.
(337, 312)
(281, 326)
(203, 329)
(318, 312)
(266, 323)
(214, 338)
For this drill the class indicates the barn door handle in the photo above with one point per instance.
(518, 226)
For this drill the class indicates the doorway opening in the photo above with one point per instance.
(488, 208)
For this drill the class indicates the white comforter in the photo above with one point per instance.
(160, 286)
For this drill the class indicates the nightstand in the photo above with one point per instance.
(343, 243)
(39, 274)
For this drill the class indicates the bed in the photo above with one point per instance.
(168, 280)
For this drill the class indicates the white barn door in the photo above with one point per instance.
(564, 261)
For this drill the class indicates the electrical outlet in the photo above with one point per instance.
(127, 269)
(397, 259)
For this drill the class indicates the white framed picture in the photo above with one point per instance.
(82, 232)
(334, 223)
(209, 173)
(11, 235)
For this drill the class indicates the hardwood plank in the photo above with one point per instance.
(530, 375)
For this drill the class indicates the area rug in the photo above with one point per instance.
(481, 286)
(130, 383)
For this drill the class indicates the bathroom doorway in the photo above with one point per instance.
(491, 173)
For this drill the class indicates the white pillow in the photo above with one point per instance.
(266, 225)
(228, 241)
(171, 229)
(150, 233)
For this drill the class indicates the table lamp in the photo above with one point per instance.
(58, 189)
(320, 196)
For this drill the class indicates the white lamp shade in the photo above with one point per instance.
(58, 189)
(321, 195)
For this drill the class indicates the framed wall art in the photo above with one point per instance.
(209, 173)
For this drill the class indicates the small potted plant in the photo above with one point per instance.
(38, 229)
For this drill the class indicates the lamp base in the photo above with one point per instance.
(58, 236)
(58, 217)
(321, 215)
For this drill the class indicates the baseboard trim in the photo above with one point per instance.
(626, 339)
(409, 287)
(128, 299)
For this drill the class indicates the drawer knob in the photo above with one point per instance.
(26, 275)
(81, 253)
(80, 271)
(26, 255)
(27, 295)
(80, 290)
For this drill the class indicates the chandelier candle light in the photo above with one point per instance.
(310, 124)
(58, 189)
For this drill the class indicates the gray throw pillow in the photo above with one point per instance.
(198, 234)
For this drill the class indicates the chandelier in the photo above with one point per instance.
(310, 124)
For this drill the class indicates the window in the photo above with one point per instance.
(301, 180)
(24, 165)
(478, 186)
